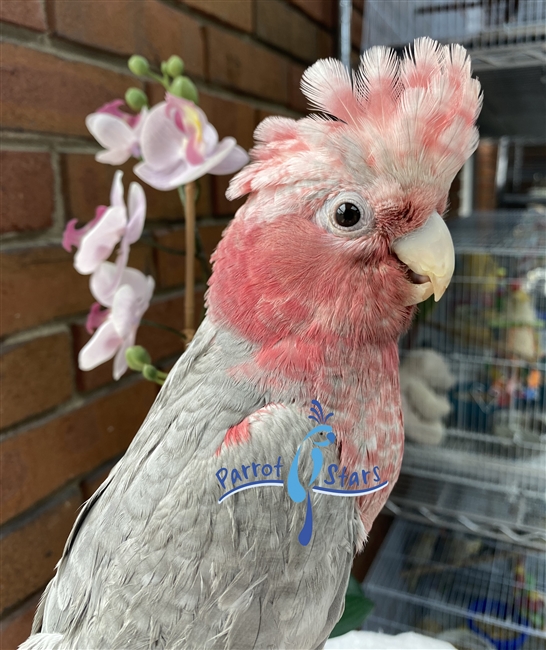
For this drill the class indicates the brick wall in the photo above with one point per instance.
(63, 429)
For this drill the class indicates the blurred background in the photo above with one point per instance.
(460, 547)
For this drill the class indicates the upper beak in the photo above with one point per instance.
(428, 251)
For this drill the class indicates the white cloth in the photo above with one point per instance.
(358, 640)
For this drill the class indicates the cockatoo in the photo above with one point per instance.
(314, 281)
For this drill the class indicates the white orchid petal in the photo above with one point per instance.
(120, 362)
(98, 243)
(100, 348)
(113, 156)
(194, 172)
(162, 179)
(125, 310)
(116, 191)
(102, 283)
(161, 141)
(210, 137)
(109, 131)
(235, 159)
(137, 213)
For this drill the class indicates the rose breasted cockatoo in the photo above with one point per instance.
(314, 281)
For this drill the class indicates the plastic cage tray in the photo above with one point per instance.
(434, 581)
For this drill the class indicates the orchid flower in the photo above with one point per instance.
(116, 224)
(72, 236)
(118, 329)
(118, 132)
(179, 145)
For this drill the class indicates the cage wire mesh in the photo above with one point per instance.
(476, 592)
(472, 506)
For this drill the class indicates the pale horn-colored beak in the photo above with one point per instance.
(428, 251)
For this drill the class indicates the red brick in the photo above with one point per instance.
(151, 29)
(233, 12)
(221, 206)
(27, 13)
(41, 92)
(230, 118)
(93, 481)
(26, 185)
(16, 628)
(37, 285)
(30, 553)
(356, 29)
(288, 29)
(34, 377)
(40, 284)
(87, 184)
(40, 460)
(170, 268)
(245, 66)
(324, 11)
(167, 32)
(296, 98)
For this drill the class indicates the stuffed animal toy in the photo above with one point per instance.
(425, 378)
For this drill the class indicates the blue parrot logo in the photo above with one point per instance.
(296, 491)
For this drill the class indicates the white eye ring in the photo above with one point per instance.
(350, 208)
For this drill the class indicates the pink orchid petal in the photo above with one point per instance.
(116, 192)
(137, 213)
(235, 159)
(98, 243)
(125, 310)
(96, 317)
(112, 108)
(193, 150)
(100, 348)
(109, 131)
(161, 142)
(120, 362)
(71, 236)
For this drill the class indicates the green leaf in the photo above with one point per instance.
(357, 608)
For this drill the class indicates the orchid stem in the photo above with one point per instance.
(199, 248)
(162, 80)
(166, 328)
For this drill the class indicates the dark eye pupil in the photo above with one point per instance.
(347, 215)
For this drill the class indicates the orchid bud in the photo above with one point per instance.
(137, 358)
(135, 99)
(184, 87)
(175, 66)
(164, 68)
(138, 65)
(149, 372)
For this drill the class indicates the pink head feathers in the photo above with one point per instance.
(412, 120)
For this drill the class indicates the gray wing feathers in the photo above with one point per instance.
(155, 562)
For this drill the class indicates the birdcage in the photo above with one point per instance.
(476, 592)
(471, 502)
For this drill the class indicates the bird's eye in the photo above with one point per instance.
(348, 215)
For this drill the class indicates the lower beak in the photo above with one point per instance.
(428, 251)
